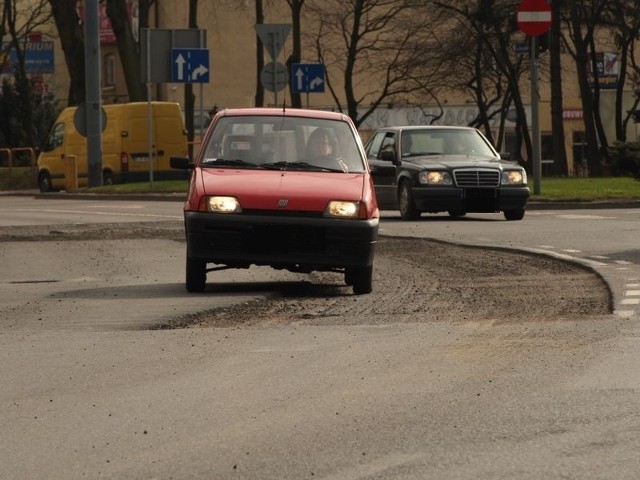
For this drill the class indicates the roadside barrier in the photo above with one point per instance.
(70, 173)
(10, 153)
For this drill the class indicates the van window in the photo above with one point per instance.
(55, 138)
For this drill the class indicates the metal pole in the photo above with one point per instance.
(274, 41)
(201, 127)
(202, 39)
(149, 111)
(535, 120)
(93, 112)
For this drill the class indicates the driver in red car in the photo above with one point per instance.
(319, 146)
(321, 150)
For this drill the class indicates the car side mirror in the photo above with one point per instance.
(181, 163)
(388, 156)
(505, 155)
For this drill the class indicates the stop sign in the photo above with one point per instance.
(534, 17)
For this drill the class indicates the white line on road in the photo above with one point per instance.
(83, 212)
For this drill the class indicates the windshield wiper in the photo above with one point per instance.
(210, 162)
(279, 165)
(420, 154)
(299, 166)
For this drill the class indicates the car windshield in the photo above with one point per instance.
(445, 141)
(283, 143)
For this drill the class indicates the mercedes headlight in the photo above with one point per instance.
(514, 177)
(435, 177)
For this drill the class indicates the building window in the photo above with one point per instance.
(109, 76)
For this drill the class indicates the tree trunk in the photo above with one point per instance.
(259, 98)
(189, 98)
(127, 49)
(72, 41)
(592, 153)
(560, 166)
(296, 8)
(597, 118)
(22, 84)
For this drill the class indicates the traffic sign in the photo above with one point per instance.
(273, 36)
(156, 44)
(307, 77)
(274, 76)
(534, 17)
(80, 119)
(190, 65)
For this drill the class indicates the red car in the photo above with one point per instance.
(287, 188)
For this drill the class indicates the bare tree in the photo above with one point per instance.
(472, 69)
(491, 24)
(560, 166)
(376, 39)
(72, 40)
(189, 97)
(296, 10)
(259, 97)
(580, 21)
(127, 48)
(143, 13)
(18, 25)
(624, 27)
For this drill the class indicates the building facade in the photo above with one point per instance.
(231, 40)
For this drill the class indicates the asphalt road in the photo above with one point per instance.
(91, 390)
(601, 235)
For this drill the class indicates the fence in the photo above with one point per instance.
(18, 157)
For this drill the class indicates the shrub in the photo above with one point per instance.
(625, 158)
(13, 131)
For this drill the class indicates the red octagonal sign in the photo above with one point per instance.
(534, 17)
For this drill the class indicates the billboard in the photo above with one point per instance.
(38, 57)
(107, 37)
(607, 70)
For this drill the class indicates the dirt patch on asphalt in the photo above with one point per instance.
(415, 280)
(418, 280)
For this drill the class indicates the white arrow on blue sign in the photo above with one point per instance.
(190, 65)
(307, 77)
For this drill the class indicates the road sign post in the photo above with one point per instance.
(534, 19)
(157, 44)
(273, 37)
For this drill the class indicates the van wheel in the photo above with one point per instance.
(107, 178)
(44, 182)
(196, 274)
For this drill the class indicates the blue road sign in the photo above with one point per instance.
(38, 57)
(307, 77)
(190, 65)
